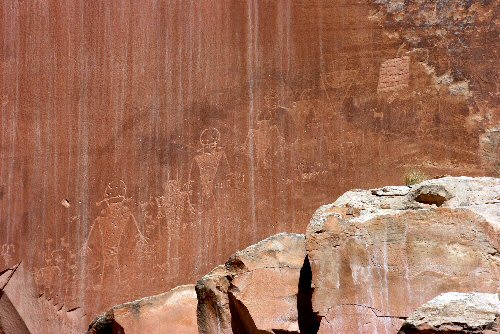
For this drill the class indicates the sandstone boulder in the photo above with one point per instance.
(170, 312)
(456, 313)
(377, 255)
(257, 291)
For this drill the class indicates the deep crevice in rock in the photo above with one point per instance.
(241, 321)
(308, 321)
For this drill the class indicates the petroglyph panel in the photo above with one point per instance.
(394, 74)
(143, 143)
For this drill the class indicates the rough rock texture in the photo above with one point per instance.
(256, 291)
(23, 311)
(456, 313)
(170, 312)
(369, 264)
(144, 142)
(377, 255)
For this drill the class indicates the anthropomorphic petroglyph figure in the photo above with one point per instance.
(174, 200)
(162, 218)
(113, 238)
(313, 146)
(270, 148)
(210, 193)
(263, 136)
(209, 173)
(7, 253)
(50, 277)
(273, 133)
(280, 116)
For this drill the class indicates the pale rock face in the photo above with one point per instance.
(256, 291)
(170, 312)
(377, 255)
(456, 313)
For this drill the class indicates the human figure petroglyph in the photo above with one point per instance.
(340, 74)
(173, 202)
(209, 191)
(210, 168)
(314, 146)
(163, 215)
(280, 116)
(273, 133)
(7, 252)
(51, 271)
(271, 151)
(113, 235)
(59, 270)
(262, 136)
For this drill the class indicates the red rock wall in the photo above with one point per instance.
(142, 142)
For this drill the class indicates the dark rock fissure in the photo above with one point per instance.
(241, 321)
(308, 321)
(430, 199)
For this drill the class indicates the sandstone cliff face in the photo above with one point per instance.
(190, 129)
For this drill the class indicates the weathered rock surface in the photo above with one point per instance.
(256, 291)
(456, 313)
(367, 262)
(170, 312)
(23, 311)
(144, 142)
(377, 255)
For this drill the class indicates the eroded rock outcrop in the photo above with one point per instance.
(378, 255)
(456, 313)
(170, 312)
(256, 291)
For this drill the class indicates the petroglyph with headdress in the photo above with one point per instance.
(113, 234)
(210, 167)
